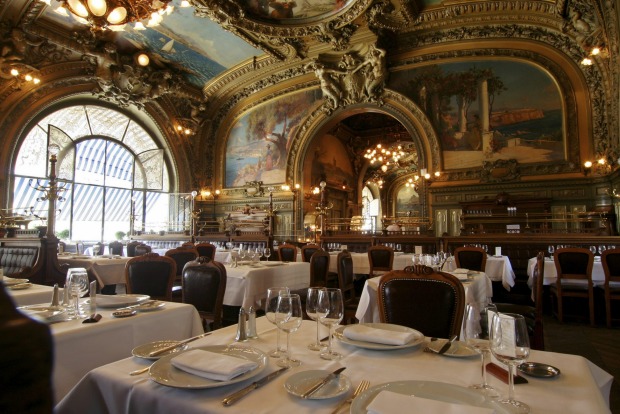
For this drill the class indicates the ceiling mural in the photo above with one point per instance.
(303, 9)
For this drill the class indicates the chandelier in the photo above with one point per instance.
(114, 14)
(387, 156)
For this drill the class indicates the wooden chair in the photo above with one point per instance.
(610, 260)
(346, 276)
(206, 250)
(423, 299)
(181, 256)
(287, 253)
(204, 285)
(574, 269)
(131, 248)
(470, 257)
(142, 249)
(380, 258)
(319, 268)
(151, 274)
(533, 314)
(116, 248)
(101, 249)
(307, 251)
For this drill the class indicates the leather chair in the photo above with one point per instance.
(533, 314)
(142, 249)
(181, 255)
(423, 299)
(380, 258)
(307, 251)
(204, 285)
(116, 248)
(470, 257)
(287, 252)
(610, 260)
(346, 277)
(319, 268)
(574, 269)
(151, 274)
(206, 250)
(101, 249)
(131, 248)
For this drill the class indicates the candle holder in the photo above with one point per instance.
(51, 191)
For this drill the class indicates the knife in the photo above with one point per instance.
(178, 344)
(322, 383)
(232, 398)
(447, 345)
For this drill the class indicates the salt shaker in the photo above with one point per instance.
(242, 335)
(252, 323)
(55, 300)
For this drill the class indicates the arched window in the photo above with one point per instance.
(111, 170)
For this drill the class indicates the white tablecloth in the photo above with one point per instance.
(581, 388)
(78, 347)
(479, 289)
(108, 270)
(551, 274)
(247, 285)
(33, 295)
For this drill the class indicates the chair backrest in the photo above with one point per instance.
(116, 247)
(287, 252)
(131, 248)
(610, 259)
(79, 246)
(319, 268)
(151, 274)
(181, 255)
(423, 299)
(206, 250)
(573, 263)
(204, 284)
(346, 276)
(101, 249)
(142, 249)
(470, 257)
(308, 250)
(380, 258)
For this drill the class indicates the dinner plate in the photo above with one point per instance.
(438, 391)
(9, 281)
(272, 264)
(418, 339)
(163, 372)
(150, 306)
(45, 313)
(300, 382)
(458, 349)
(116, 301)
(143, 351)
(20, 286)
(536, 369)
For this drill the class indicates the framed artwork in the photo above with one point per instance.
(407, 200)
(488, 110)
(327, 159)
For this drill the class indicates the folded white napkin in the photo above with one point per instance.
(211, 365)
(460, 270)
(114, 300)
(377, 335)
(460, 273)
(387, 402)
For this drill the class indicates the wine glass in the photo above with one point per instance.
(551, 250)
(267, 253)
(78, 287)
(288, 319)
(313, 306)
(273, 293)
(330, 316)
(510, 344)
(476, 323)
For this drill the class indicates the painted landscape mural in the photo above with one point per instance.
(301, 9)
(259, 141)
(488, 110)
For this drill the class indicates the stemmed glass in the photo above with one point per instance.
(78, 287)
(331, 316)
(551, 250)
(288, 319)
(476, 324)
(273, 293)
(267, 253)
(510, 344)
(313, 307)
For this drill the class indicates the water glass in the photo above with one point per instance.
(78, 286)
(288, 318)
(273, 293)
(314, 307)
(476, 323)
(331, 316)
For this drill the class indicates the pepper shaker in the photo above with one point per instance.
(242, 335)
(252, 323)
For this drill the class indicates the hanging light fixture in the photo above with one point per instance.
(114, 14)
(386, 156)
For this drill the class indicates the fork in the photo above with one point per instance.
(363, 386)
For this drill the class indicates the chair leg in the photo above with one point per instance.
(591, 303)
(608, 309)
(560, 309)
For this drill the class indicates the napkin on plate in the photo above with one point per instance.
(377, 335)
(460, 273)
(388, 402)
(211, 365)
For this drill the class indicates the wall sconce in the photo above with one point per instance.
(142, 59)
(596, 51)
(600, 168)
(23, 78)
(183, 130)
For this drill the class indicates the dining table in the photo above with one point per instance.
(32, 294)
(107, 269)
(79, 347)
(247, 282)
(478, 288)
(581, 387)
